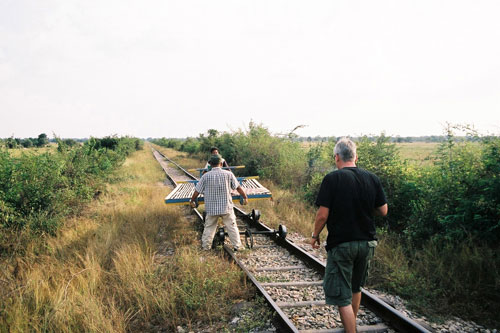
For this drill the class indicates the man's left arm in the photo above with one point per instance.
(381, 207)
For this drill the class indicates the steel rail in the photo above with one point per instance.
(372, 302)
(375, 304)
(177, 165)
(168, 175)
(284, 321)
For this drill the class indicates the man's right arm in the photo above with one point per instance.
(319, 224)
(192, 202)
(243, 195)
(381, 211)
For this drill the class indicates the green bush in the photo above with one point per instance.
(399, 181)
(268, 156)
(460, 194)
(277, 158)
(36, 191)
(190, 145)
(320, 161)
(169, 143)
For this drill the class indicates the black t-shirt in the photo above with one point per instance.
(351, 194)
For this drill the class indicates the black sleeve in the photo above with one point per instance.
(326, 192)
(380, 198)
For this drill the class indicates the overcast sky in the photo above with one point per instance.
(178, 68)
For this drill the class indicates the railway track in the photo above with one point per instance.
(290, 279)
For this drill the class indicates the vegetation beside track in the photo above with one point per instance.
(125, 263)
(38, 189)
(439, 244)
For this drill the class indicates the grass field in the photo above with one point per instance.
(414, 152)
(417, 152)
(18, 151)
(112, 269)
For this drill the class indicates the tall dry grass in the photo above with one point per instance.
(285, 208)
(112, 269)
(182, 158)
(440, 279)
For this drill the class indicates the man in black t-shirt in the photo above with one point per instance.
(348, 199)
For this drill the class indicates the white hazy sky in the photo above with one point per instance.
(177, 68)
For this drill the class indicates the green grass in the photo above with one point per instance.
(417, 152)
(108, 269)
(440, 279)
(16, 152)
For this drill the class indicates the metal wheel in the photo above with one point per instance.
(282, 231)
(248, 239)
(255, 215)
(219, 238)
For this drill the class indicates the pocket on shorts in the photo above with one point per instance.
(331, 283)
(371, 248)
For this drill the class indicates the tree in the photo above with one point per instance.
(42, 140)
(27, 143)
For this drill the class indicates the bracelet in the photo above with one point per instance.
(314, 237)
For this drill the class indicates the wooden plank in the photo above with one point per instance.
(301, 304)
(293, 284)
(378, 328)
(264, 246)
(283, 268)
(184, 192)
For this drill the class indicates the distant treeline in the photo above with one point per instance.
(41, 141)
(11, 143)
(392, 139)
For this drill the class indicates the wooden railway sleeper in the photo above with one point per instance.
(221, 234)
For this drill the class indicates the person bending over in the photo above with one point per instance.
(216, 187)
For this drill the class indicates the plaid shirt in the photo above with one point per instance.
(216, 186)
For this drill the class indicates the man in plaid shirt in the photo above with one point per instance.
(216, 187)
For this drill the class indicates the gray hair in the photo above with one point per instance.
(346, 149)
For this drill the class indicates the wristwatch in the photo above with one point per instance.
(314, 237)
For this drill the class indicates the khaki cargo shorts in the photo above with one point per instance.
(346, 270)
